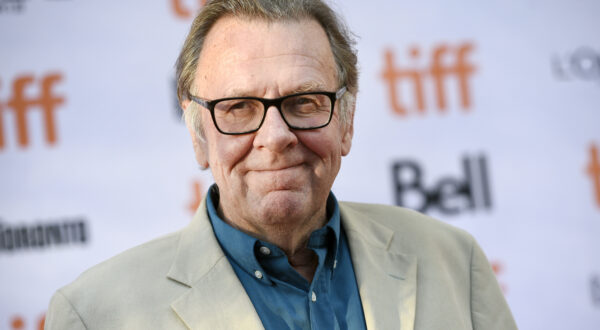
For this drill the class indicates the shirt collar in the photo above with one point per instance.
(242, 248)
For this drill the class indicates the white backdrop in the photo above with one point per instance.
(485, 115)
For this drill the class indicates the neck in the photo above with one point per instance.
(294, 245)
(290, 236)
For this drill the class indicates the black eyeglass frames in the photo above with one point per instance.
(300, 111)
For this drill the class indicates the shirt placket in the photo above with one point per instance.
(320, 312)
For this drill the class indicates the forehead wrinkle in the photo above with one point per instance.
(298, 61)
(248, 91)
(232, 56)
(245, 88)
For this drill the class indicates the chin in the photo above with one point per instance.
(285, 206)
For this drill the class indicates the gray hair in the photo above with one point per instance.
(340, 39)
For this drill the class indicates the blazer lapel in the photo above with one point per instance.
(387, 280)
(216, 299)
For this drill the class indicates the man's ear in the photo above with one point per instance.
(347, 134)
(199, 144)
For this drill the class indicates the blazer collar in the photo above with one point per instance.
(216, 299)
(387, 279)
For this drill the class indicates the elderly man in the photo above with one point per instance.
(268, 90)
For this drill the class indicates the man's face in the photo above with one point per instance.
(275, 176)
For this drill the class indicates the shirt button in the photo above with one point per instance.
(313, 297)
(258, 274)
(265, 250)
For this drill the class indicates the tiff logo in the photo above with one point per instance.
(182, 9)
(593, 170)
(18, 323)
(449, 195)
(498, 268)
(413, 77)
(20, 103)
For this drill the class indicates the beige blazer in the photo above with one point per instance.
(413, 272)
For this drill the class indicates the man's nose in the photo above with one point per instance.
(274, 134)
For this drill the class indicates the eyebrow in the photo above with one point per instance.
(310, 86)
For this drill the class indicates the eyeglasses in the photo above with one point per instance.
(242, 115)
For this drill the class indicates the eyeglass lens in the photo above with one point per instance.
(299, 111)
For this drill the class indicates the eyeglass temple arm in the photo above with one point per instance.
(340, 92)
(202, 102)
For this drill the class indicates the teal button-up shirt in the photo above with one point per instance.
(283, 298)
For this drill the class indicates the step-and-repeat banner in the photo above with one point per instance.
(483, 114)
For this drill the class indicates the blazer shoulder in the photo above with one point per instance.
(140, 266)
(129, 290)
(412, 230)
(151, 254)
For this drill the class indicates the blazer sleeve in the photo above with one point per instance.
(489, 310)
(62, 315)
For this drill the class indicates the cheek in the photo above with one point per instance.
(324, 145)
(225, 151)
(228, 151)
